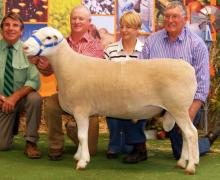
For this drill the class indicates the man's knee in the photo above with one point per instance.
(53, 112)
(52, 107)
(34, 98)
(51, 104)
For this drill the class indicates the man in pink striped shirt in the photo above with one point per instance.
(82, 42)
(80, 39)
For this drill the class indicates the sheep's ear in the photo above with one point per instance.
(34, 31)
(55, 37)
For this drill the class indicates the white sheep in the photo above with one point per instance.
(134, 89)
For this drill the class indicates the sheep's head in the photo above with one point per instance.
(43, 42)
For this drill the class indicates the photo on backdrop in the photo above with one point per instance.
(105, 7)
(1, 9)
(30, 11)
(104, 29)
(1, 12)
(144, 7)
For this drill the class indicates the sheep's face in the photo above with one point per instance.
(43, 42)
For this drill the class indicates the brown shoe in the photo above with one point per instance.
(138, 154)
(55, 154)
(31, 150)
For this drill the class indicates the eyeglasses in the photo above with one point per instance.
(172, 16)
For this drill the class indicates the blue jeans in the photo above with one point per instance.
(177, 140)
(124, 133)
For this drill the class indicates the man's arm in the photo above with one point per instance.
(8, 103)
(145, 53)
(194, 108)
(201, 66)
(32, 83)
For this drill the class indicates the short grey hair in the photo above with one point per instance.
(86, 9)
(174, 4)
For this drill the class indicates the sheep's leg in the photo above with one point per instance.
(192, 142)
(184, 154)
(83, 151)
(195, 149)
(191, 136)
(77, 155)
(195, 144)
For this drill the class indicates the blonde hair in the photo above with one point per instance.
(131, 18)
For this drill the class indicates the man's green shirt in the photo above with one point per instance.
(25, 73)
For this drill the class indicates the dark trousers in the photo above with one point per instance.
(125, 133)
(16, 123)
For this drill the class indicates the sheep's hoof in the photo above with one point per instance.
(191, 169)
(189, 172)
(181, 164)
(76, 160)
(179, 167)
(76, 157)
(197, 162)
(81, 165)
(79, 168)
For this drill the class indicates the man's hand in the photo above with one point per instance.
(8, 104)
(42, 64)
(33, 59)
(2, 99)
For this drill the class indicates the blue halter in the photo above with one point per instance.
(44, 46)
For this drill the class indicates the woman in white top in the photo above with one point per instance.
(125, 136)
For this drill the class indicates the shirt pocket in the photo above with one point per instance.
(20, 77)
(2, 61)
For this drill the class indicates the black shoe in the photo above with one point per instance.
(138, 154)
(212, 137)
(55, 154)
(111, 155)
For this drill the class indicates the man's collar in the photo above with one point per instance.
(180, 36)
(86, 37)
(15, 46)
